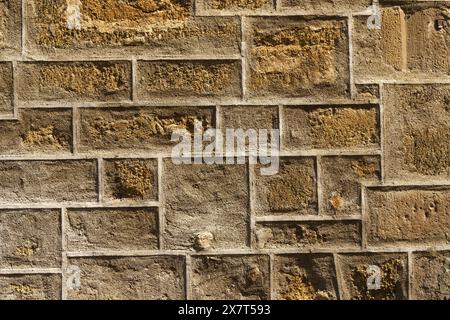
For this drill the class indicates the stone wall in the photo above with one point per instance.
(92, 207)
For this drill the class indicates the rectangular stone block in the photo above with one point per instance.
(40, 181)
(138, 129)
(37, 131)
(341, 182)
(192, 78)
(408, 216)
(312, 127)
(30, 287)
(326, 5)
(10, 27)
(431, 275)
(308, 234)
(122, 28)
(374, 276)
(297, 57)
(251, 119)
(112, 229)
(6, 87)
(236, 6)
(205, 206)
(293, 190)
(131, 179)
(30, 238)
(126, 278)
(230, 277)
(305, 277)
(74, 81)
(417, 131)
(407, 45)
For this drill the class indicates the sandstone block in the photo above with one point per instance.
(127, 278)
(230, 277)
(296, 57)
(205, 198)
(30, 238)
(112, 229)
(305, 277)
(38, 181)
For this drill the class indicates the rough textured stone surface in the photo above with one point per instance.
(294, 57)
(112, 228)
(341, 182)
(367, 92)
(331, 128)
(305, 277)
(326, 5)
(408, 216)
(431, 275)
(124, 27)
(6, 88)
(417, 131)
(10, 27)
(393, 276)
(37, 131)
(30, 238)
(292, 190)
(197, 195)
(35, 181)
(72, 81)
(197, 78)
(93, 207)
(230, 277)
(131, 179)
(308, 234)
(129, 278)
(407, 44)
(112, 129)
(236, 5)
(30, 287)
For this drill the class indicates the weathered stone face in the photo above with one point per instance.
(341, 182)
(252, 6)
(131, 179)
(292, 57)
(331, 128)
(417, 131)
(305, 277)
(393, 276)
(30, 238)
(39, 181)
(292, 190)
(128, 278)
(431, 275)
(10, 27)
(408, 45)
(326, 5)
(30, 287)
(37, 131)
(408, 216)
(194, 198)
(112, 228)
(199, 78)
(6, 88)
(161, 27)
(230, 277)
(98, 100)
(311, 234)
(72, 81)
(111, 129)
